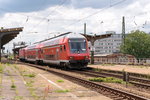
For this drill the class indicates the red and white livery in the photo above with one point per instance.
(66, 50)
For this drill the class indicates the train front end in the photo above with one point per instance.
(79, 53)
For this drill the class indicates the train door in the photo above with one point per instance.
(38, 54)
(57, 53)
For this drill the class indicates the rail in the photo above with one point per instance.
(105, 90)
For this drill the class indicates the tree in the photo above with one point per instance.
(137, 43)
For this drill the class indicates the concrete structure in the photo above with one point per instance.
(92, 39)
(7, 35)
(116, 58)
(108, 45)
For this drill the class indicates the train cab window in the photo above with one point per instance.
(77, 45)
(64, 48)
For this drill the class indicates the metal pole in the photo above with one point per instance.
(0, 48)
(14, 51)
(123, 30)
(92, 52)
(84, 28)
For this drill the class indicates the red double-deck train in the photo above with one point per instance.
(66, 50)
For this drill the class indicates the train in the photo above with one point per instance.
(68, 50)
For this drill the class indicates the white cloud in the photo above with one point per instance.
(66, 18)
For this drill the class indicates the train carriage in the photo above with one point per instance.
(22, 53)
(66, 50)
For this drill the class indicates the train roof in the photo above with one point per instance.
(53, 37)
(74, 35)
(55, 40)
(60, 39)
(68, 34)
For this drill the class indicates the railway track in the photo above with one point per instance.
(115, 94)
(138, 80)
(120, 75)
(143, 76)
(133, 80)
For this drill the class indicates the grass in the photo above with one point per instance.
(123, 70)
(62, 91)
(1, 97)
(8, 71)
(148, 76)
(107, 80)
(15, 66)
(33, 93)
(1, 69)
(29, 84)
(108, 64)
(97, 70)
(0, 79)
(60, 81)
(30, 75)
(18, 98)
(13, 86)
(31, 89)
(24, 71)
(7, 64)
(16, 92)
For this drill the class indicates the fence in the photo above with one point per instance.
(128, 61)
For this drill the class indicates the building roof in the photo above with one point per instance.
(114, 55)
(95, 37)
(17, 49)
(102, 55)
(9, 34)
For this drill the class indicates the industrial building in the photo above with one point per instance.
(108, 45)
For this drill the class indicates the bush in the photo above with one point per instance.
(107, 79)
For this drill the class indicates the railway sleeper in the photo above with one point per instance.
(106, 88)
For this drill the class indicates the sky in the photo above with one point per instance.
(43, 19)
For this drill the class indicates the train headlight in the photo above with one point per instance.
(71, 58)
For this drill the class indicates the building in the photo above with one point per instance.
(108, 45)
(116, 58)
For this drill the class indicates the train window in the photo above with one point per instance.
(64, 48)
(77, 45)
(60, 48)
(41, 50)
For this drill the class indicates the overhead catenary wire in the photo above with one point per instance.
(112, 5)
(62, 3)
(76, 21)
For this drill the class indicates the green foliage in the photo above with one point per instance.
(60, 81)
(7, 64)
(18, 98)
(62, 91)
(137, 43)
(107, 79)
(10, 57)
(13, 86)
(30, 75)
(97, 70)
(30, 84)
(1, 68)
